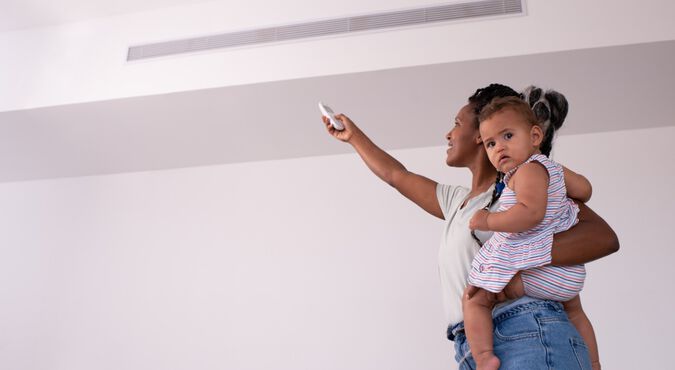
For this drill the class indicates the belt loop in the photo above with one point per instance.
(450, 334)
(453, 330)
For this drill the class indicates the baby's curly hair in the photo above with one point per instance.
(513, 103)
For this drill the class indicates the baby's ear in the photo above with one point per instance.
(537, 135)
(479, 139)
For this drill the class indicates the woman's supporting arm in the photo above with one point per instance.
(590, 239)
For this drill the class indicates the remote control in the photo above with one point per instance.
(326, 111)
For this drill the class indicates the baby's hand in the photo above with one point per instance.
(479, 220)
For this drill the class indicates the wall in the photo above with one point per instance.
(298, 264)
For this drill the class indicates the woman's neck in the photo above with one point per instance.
(483, 176)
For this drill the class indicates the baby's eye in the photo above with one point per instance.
(508, 135)
(489, 144)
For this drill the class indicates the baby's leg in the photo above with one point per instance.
(478, 327)
(580, 321)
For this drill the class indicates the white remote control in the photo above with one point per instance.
(326, 111)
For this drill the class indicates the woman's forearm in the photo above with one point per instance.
(590, 239)
(419, 189)
(380, 162)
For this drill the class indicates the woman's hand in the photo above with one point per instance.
(344, 135)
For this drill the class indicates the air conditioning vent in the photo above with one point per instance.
(377, 21)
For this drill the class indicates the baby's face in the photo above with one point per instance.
(509, 139)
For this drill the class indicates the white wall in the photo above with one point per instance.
(299, 264)
(627, 295)
(86, 61)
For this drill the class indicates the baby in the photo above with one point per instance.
(534, 206)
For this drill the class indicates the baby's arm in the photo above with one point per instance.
(578, 187)
(530, 183)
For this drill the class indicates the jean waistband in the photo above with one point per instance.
(513, 310)
(530, 306)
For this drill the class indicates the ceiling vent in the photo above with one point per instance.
(336, 26)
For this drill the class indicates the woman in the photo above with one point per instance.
(529, 333)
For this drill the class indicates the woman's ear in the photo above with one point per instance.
(478, 139)
(537, 135)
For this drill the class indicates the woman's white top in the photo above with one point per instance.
(458, 247)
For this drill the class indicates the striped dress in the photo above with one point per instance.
(504, 254)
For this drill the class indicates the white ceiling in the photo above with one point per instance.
(612, 88)
(21, 14)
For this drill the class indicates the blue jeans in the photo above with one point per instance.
(534, 335)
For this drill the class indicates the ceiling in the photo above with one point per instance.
(22, 14)
(612, 88)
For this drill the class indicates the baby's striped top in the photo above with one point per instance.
(504, 254)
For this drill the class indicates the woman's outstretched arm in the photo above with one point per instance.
(419, 189)
(590, 239)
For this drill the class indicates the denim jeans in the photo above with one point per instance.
(535, 335)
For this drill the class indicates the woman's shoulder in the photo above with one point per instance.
(448, 194)
(451, 197)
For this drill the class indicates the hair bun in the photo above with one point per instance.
(550, 108)
(559, 107)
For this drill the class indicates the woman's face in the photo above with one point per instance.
(464, 139)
